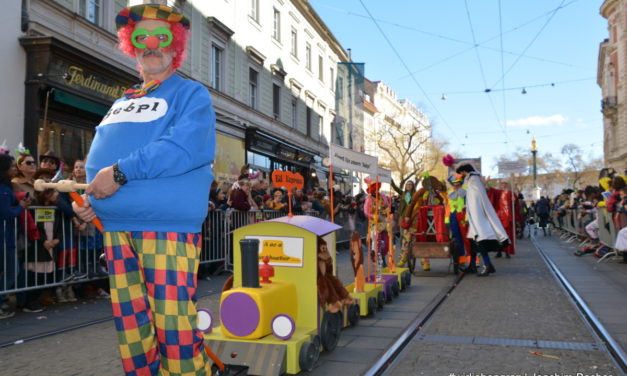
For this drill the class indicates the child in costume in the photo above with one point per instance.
(456, 217)
(375, 209)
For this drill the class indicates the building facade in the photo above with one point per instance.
(270, 66)
(397, 131)
(612, 78)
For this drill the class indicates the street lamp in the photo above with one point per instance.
(534, 152)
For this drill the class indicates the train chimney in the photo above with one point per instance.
(250, 262)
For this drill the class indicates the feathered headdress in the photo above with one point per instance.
(448, 160)
(373, 185)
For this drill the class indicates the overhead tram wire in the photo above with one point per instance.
(485, 83)
(481, 45)
(531, 43)
(518, 88)
(409, 71)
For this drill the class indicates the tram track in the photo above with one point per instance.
(381, 365)
(73, 327)
(611, 346)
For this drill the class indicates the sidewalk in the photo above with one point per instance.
(506, 323)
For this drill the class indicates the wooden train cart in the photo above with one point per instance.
(433, 250)
(430, 243)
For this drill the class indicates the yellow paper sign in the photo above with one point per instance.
(44, 215)
(274, 250)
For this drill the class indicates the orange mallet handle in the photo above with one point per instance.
(79, 200)
(213, 357)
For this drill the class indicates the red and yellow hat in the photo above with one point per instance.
(136, 13)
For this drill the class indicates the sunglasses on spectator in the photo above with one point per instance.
(278, 195)
(49, 161)
(29, 163)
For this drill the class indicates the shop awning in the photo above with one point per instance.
(278, 149)
(81, 103)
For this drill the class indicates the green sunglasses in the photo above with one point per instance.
(141, 38)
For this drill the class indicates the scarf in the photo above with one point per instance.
(138, 91)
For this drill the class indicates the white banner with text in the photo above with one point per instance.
(351, 160)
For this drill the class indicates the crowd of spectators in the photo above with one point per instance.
(43, 252)
(588, 202)
(255, 192)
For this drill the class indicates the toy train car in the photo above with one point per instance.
(277, 326)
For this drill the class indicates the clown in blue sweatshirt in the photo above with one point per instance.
(164, 143)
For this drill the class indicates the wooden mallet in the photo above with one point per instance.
(69, 186)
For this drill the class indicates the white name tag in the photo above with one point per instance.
(140, 110)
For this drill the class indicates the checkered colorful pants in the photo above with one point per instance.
(153, 294)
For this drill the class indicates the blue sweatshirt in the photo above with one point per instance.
(9, 209)
(164, 143)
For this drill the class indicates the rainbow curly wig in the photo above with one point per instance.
(180, 35)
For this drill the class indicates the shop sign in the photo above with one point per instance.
(86, 82)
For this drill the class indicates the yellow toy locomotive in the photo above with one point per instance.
(278, 326)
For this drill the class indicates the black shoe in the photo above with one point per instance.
(33, 307)
(483, 273)
(507, 255)
(490, 268)
(468, 269)
(504, 243)
(499, 254)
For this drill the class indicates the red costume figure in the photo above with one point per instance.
(375, 209)
(507, 209)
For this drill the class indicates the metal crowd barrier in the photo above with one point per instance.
(33, 264)
(76, 258)
(574, 228)
(607, 231)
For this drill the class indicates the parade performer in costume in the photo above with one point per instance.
(149, 172)
(431, 196)
(456, 217)
(404, 226)
(375, 209)
(508, 209)
(485, 230)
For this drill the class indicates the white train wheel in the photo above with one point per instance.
(283, 326)
(204, 320)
